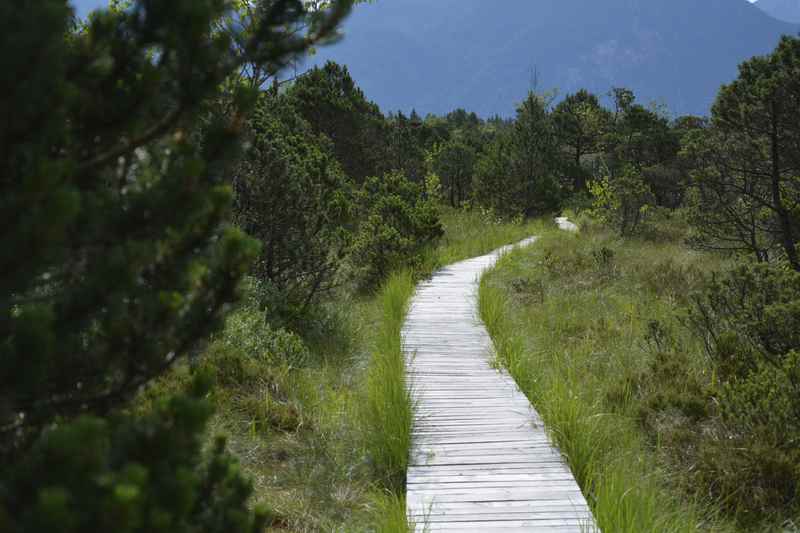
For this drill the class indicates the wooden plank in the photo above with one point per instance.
(506, 468)
(481, 459)
(422, 499)
(508, 506)
(501, 514)
(501, 527)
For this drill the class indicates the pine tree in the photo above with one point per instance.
(748, 181)
(116, 256)
(293, 196)
(329, 99)
(579, 122)
(534, 155)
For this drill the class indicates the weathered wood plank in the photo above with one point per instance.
(481, 459)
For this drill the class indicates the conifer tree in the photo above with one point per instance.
(329, 99)
(748, 182)
(116, 258)
(579, 122)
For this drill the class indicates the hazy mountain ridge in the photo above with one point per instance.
(787, 10)
(434, 56)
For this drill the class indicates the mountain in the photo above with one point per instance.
(435, 55)
(787, 10)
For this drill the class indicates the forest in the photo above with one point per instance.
(206, 267)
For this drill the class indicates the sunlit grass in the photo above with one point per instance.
(387, 413)
(568, 321)
(323, 428)
(473, 233)
(391, 515)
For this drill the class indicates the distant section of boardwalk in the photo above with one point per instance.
(565, 224)
(481, 460)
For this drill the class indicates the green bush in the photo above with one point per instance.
(516, 175)
(397, 222)
(622, 201)
(247, 333)
(292, 195)
(118, 258)
(129, 473)
(750, 321)
(329, 99)
(750, 318)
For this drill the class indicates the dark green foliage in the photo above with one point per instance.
(397, 222)
(115, 278)
(454, 163)
(117, 259)
(330, 101)
(461, 119)
(493, 179)
(292, 195)
(535, 148)
(734, 428)
(580, 123)
(639, 173)
(640, 137)
(748, 168)
(407, 139)
(517, 174)
(129, 474)
(750, 320)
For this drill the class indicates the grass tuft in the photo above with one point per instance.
(390, 513)
(387, 414)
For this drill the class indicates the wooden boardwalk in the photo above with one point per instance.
(480, 460)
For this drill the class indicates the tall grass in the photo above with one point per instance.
(320, 419)
(388, 412)
(391, 515)
(567, 320)
(470, 233)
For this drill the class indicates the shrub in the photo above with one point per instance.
(292, 195)
(753, 314)
(129, 473)
(247, 334)
(329, 99)
(729, 423)
(750, 320)
(622, 201)
(397, 222)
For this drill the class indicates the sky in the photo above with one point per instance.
(84, 6)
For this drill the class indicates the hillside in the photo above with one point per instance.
(787, 10)
(435, 56)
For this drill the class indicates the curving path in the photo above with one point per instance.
(481, 459)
